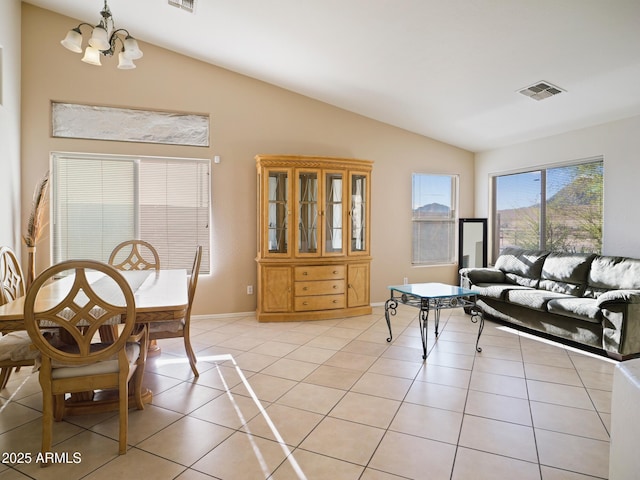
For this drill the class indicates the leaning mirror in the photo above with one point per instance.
(472, 242)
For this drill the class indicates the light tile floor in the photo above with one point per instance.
(334, 400)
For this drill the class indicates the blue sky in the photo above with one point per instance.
(519, 190)
(523, 189)
(428, 188)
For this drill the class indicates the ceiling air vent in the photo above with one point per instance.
(188, 5)
(541, 90)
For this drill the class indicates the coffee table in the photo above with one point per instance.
(436, 297)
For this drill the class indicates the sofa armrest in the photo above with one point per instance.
(620, 322)
(483, 275)
(618, 296)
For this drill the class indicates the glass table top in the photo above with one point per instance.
(432, 290)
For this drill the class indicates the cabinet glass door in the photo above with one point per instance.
(333, 208)
(307, 212)
(277, 241)
(359, 199)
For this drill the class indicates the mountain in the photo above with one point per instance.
(578, 192)
(431, 209)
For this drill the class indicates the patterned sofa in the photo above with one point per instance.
(589, 299)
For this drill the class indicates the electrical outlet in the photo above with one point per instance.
(249, 289)
(406, 280)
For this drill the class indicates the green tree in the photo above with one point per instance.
(574, 213)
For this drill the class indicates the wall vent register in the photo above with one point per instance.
(188, 5)
(541, 90)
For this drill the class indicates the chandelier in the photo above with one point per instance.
(103, 41)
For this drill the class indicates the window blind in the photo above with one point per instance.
(174, 208)
(99, 201)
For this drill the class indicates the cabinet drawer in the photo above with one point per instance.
(319, 272)
(320, 287)
(320, 302)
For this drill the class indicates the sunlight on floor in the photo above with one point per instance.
(555, 344)
(217, 360)
(13, 395)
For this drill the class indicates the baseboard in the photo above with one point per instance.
(214, 316)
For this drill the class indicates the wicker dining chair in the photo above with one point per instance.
(15, 347)
(182, 328)
(135, 255)
(83, 363)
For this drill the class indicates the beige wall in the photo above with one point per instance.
(247, 117)
(10, 124)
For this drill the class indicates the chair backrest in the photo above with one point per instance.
(11, 277)
(92, 295)
(195, 271)
(135, 255)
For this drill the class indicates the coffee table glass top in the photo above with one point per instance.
(432, 290)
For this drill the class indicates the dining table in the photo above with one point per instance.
(160, 296)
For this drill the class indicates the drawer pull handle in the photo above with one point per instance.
(335, 272)
(305, 273)
(305, 288)
(305, 303)
(335, 286)
(335, 301)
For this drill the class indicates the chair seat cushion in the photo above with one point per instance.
(173, 326)
(69, 313)
(98, 368)
(17, 347)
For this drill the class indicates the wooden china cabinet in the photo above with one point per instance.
(313, 237)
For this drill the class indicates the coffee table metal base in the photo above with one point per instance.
(432, 299)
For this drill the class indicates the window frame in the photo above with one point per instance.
(451, 220)
(542, 169)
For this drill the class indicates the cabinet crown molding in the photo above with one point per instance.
(309, 161)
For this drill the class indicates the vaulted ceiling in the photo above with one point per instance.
(450, 70)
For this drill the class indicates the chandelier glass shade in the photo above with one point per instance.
(105, 40)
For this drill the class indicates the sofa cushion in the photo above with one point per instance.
(566, 272)
(521, 267)
(483, 275)
(531, 298)
(497, 290)
(586, 309)
(612, 273)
